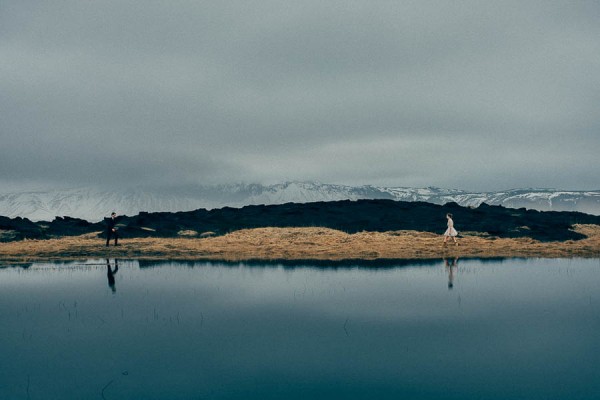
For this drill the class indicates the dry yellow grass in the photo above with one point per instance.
(302, 243)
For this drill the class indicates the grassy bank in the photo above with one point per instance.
(302, 243)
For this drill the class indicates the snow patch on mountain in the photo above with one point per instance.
(94, 204)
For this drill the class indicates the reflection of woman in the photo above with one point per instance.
(450, 232)
(451, 268)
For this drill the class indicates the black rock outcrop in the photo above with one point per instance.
(348, 216)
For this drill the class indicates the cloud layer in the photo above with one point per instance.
(455, 94)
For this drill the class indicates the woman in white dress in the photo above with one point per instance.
(450, 232)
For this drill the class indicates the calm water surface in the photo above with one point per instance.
(506, 329)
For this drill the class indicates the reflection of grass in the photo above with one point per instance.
(304, 243)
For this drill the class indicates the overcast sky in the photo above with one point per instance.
(460, 94)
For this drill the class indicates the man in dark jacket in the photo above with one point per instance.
(111, 229)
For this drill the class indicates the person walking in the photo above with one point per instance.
(111, 229)
(450, 232)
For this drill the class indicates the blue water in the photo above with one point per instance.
(504, 329)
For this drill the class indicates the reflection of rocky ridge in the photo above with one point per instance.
(93, 204)
(348, 216)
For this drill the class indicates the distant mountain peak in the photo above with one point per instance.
(95, 203)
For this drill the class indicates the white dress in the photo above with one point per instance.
(450, 231)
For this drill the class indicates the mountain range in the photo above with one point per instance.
(93, 204)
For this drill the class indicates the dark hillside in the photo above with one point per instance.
(348, 216)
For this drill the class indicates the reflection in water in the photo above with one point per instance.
(379, 263)
(242, 331)
(111, 274)
(451, 268)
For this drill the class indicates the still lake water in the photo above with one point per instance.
(504, 329)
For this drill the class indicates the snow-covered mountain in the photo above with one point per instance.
(94, 204)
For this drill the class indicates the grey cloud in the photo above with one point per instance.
(88, 164)
(351, 92)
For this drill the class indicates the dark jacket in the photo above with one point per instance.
(110, 223)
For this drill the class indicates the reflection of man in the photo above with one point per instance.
(111, 274)
(451, 267)
(111, 229)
